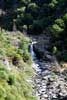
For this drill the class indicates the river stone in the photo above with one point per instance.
(45, 96)
(46, 72)
(50, 84)
(54, 96)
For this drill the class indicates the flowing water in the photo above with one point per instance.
(47, 84)
(35, 64)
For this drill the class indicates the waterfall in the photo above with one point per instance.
(35, 64)
(32, 51)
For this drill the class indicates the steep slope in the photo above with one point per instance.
(15, 67)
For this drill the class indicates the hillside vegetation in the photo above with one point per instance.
(15, 67)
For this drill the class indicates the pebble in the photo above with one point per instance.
(45, 96)
(49, 85)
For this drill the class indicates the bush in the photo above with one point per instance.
(3, 67)
(51, 5)
(2, 92)
(22, 9)
(55, 50)
(26, 56)
(23, 45)
(3, 75)
(12, 79)
(60, 22)
(54, 1)
(23, 50)
(10, 97)
(33, 7)
(56, 30)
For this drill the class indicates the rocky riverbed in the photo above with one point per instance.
(49, 83)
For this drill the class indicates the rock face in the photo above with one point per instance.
(49, 82)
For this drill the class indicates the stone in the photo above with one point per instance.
(50, 83)
(54, 96)
(45, 96)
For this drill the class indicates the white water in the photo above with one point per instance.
(35, 64)
(32, 52)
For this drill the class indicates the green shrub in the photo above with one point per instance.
(11, 52)
(2, 67)
(26, 56)
(2, 52)
(3, 75)
(10, 97)
(56, 30)
(2, 92)
(23, 45)
(52, 5)
(60, 22)
(21, 9)
(54, 1)
(55, 50)
(33, 7)
(11, 80)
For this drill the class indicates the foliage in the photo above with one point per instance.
(57, 30)
(60, 22)
(13, 84)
